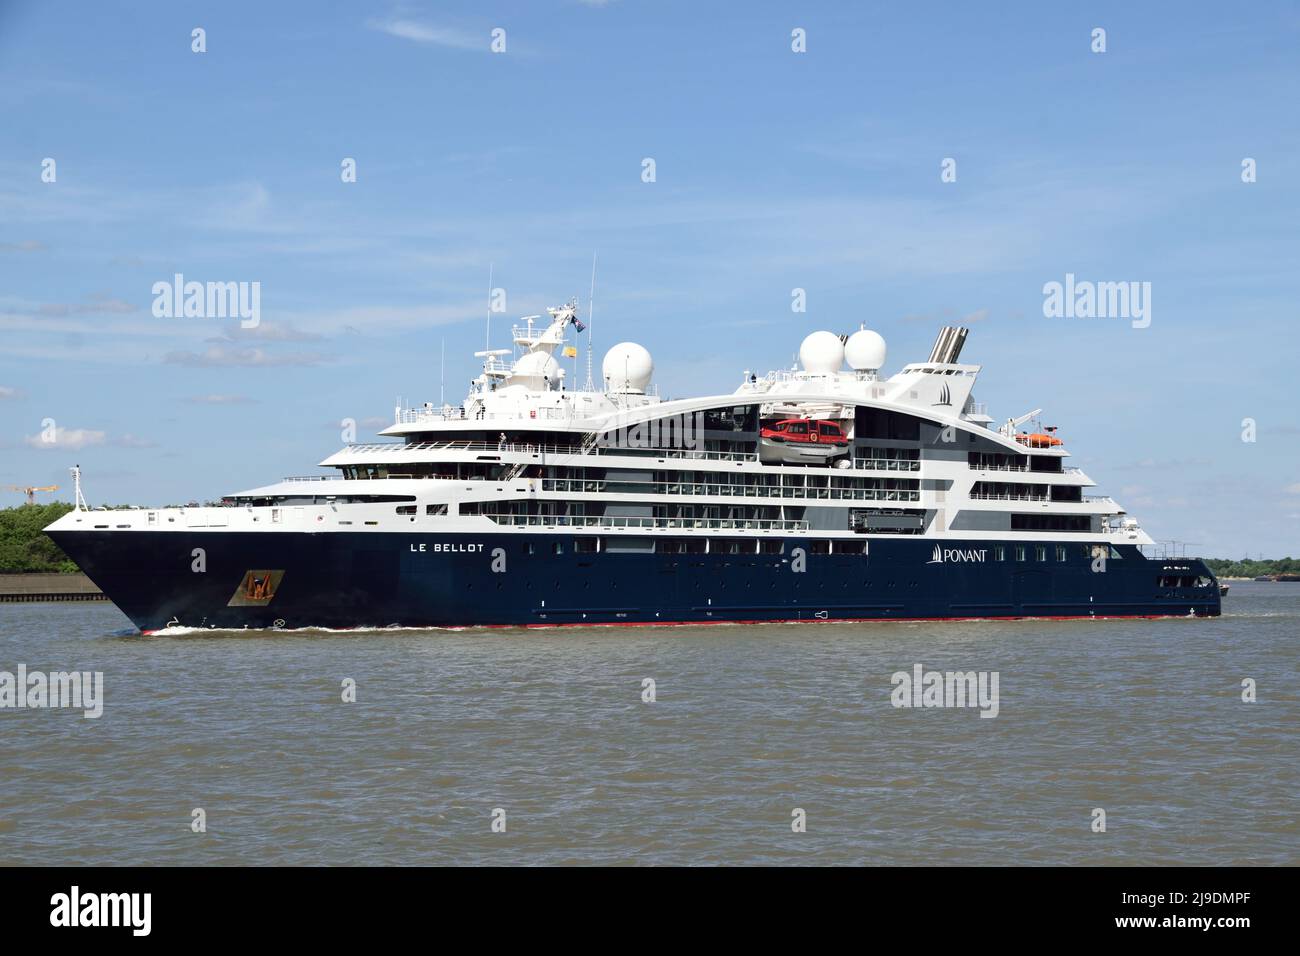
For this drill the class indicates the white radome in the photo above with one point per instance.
(864, 350)
(627, 368)
(535, 370)
(821, 353)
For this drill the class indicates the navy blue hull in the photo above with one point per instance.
(350, 580)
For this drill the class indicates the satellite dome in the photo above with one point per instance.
(535, 370)
(627, 368)
(821, 353)
(865, 349)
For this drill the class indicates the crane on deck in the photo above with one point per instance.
(1009, 429)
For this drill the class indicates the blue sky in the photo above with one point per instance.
(774, 171)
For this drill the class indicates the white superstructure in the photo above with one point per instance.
(910, 454)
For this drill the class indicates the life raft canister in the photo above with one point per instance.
(812, 437)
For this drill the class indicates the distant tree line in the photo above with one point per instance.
(22, 546)
(1249, 568)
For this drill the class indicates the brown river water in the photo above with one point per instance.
(1142, 719)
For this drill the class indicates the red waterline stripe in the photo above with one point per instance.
(789, 620)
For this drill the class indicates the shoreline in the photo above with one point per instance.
(36, 587)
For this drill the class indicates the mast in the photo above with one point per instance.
(591, 318)
(487, 336)
(78, 501)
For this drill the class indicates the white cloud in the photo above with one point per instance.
(95, 307)
(367, 318)
(6, 393)
(67, 438)
(27, 245)
(267, 332)
(217, 356)
(430, 34)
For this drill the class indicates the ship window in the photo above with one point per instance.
(530, 547)
(820, 547)
(1060, 552)
(771, 547)
(999, 553)
(435, 509)
(586, 545)
(406, 509)
(1040, 552)
(1020, 552)
(558, 547)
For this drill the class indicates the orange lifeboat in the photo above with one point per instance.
(1038, 440)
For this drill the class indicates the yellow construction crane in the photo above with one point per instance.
(30, 491)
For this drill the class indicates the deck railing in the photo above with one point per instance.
(724, 489)
(887, 464)
(534, 448)
(685, 524)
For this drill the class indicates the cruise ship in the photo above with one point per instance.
(825, 492)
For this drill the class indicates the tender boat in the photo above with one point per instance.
(802, 441)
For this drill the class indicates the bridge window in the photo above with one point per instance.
(884, 423)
